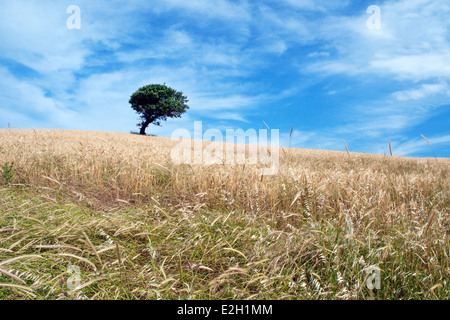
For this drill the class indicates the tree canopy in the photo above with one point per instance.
(155, 103)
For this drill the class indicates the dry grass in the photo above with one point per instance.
(139, 227)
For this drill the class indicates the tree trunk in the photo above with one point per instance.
(144, 127)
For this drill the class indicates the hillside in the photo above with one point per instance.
(140, 227)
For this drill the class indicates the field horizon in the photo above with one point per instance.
(134, 225)
(169, 140)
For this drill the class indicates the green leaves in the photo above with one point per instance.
(156, 103)
(8, 172)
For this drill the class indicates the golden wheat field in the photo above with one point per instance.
(95, 215)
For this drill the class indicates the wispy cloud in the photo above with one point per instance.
(422, 92)
(211, 9)
(419, 145)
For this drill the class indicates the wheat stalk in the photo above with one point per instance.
(346, 148)
(429, 144)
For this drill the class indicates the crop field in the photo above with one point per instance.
(96, 215)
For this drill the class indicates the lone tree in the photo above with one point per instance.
(156, 103)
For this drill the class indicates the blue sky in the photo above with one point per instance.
(311, 64)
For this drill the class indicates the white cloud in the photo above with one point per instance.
(173, 42)
(318, 54)
(413, 146)
(213, 102)
(282, 27)
(424, 91)
(324, 139)
(419, 67)
(217, 9)
(35, 34)
(227, 116)
(412, 44)
(24, 98)
(317, 5)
